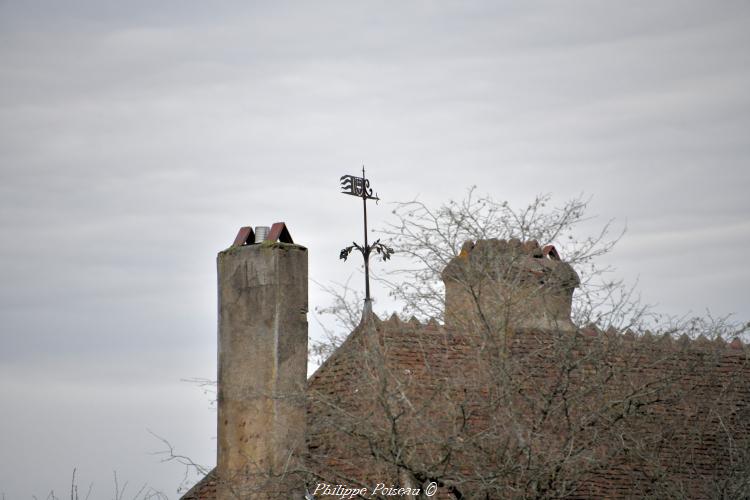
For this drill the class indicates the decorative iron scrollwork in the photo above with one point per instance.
(360, 187)
(357, 186)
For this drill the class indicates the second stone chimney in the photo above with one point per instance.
(496, 285)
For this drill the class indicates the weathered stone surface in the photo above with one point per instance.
(262, 362)
(497, 285)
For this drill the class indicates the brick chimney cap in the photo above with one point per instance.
(511, 258)
(279, 232)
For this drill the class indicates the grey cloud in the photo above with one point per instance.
(135, 138)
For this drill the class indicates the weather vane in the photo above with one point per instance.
(360, 187)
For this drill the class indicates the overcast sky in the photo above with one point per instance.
(137, 137)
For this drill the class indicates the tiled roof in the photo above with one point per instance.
(205, 489)
(428, 354)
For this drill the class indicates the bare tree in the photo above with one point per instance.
(428, 239)
(504, 396)
(120, 492)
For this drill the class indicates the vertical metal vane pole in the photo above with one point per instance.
(360, 187)
(368, 300)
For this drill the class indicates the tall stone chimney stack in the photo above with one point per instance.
(262, 364)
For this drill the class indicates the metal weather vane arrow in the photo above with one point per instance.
(360, 187)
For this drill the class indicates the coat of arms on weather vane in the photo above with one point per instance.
(360, 187)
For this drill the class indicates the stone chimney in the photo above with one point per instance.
(497, 286)
(262, 363)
